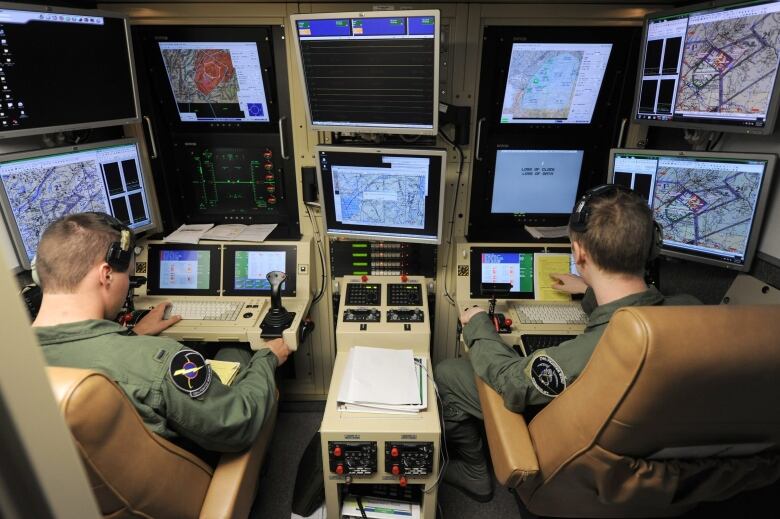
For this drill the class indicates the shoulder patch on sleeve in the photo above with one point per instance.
(547, 376)
(190, 373)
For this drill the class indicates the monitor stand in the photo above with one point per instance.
(278, 318)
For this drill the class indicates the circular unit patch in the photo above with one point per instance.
(190, 373)
(547, 376)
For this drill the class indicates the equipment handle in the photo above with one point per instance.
(479, 138)
(281, 137)
(151, 136)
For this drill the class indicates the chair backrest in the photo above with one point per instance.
(676, 406)
(133, 472)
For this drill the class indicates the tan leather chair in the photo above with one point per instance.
(135, 473)
(677, 406)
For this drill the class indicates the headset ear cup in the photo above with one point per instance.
(34, 271)
(657, 241)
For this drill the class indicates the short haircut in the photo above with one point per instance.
(619, 233)
(70, 247)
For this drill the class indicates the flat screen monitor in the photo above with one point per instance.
(710, 205)
(536, 181)
(554, 83)
(63, 69)
(179, 269)
(218, 82)
(383, 194)
(246, 267)
(370, 72)
(38, 187)
(711, 67)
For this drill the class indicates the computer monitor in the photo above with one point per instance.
(38, 187)
(218, 82)
(554, 83)
(246, 267)
(384, 194)
(536, 181)
(183, 269)
(63, 69)
(710, 205)
(711, 66)
(370, 71)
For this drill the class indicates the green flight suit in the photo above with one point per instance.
(509, 373)
(222, 419)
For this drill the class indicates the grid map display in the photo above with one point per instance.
(706, 207)
(729, 66)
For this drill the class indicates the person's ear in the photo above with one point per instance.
(577, 252)
(105, 273)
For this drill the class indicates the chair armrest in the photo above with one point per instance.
(511, 449)
(234, 484)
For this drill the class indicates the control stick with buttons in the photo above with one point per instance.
(278, 318)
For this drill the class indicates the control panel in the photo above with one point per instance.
(409, 458)
(356, 458)
(383, 311)
(381, 258)
(363, 294)
(362, 315)
(404, 294)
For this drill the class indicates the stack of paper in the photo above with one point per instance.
(381, 380)
(225, 370)
(548, 232)
(546, 264)
(188, 233)
(240, 232)
(376, 508)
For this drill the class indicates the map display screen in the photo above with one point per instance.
(388, 193)
(39, 189)
(536, 181)
(217, 81)
(251, 267)
(555, 83)
(717, 65)
(707, 206)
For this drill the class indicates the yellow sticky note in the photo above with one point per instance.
(544, 265)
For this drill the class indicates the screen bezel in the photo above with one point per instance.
(370, 14)
(442, 154)
(131, 63)
(7, 212)
(153, 276)
(715, 125)
(761, 202)
(229, 269)
(475, 262)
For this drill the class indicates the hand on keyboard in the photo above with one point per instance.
(153, 322)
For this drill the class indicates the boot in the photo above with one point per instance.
(469, 472)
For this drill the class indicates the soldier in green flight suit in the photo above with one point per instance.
(83, 265)
(613, 235)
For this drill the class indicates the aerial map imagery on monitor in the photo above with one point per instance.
(729, 64)
(202, 75)
(711, 208)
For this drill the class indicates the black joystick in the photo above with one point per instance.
(278, 318)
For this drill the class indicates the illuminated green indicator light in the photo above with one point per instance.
(359, 254)
(359, 264)
(360, 245)
(341, 23)
(360, 272)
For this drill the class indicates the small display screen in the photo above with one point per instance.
(509, 267)
(251, 268)
(554, 83)
(182, 269)
(536, 181)
(216, 81)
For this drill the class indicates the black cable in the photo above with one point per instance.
(359, 500)
(452, 215)
(315, 228)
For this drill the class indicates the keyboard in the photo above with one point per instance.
(551, 314)
(533, 342)
(207, 310)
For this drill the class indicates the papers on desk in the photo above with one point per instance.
(381, 380)
(376, 508)
(544, 265)
(548, 232)
(230, 232)
(188, 233)
(225, 370)
(240, 232)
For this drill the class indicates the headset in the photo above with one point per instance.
(119, 253)
(578, 222)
